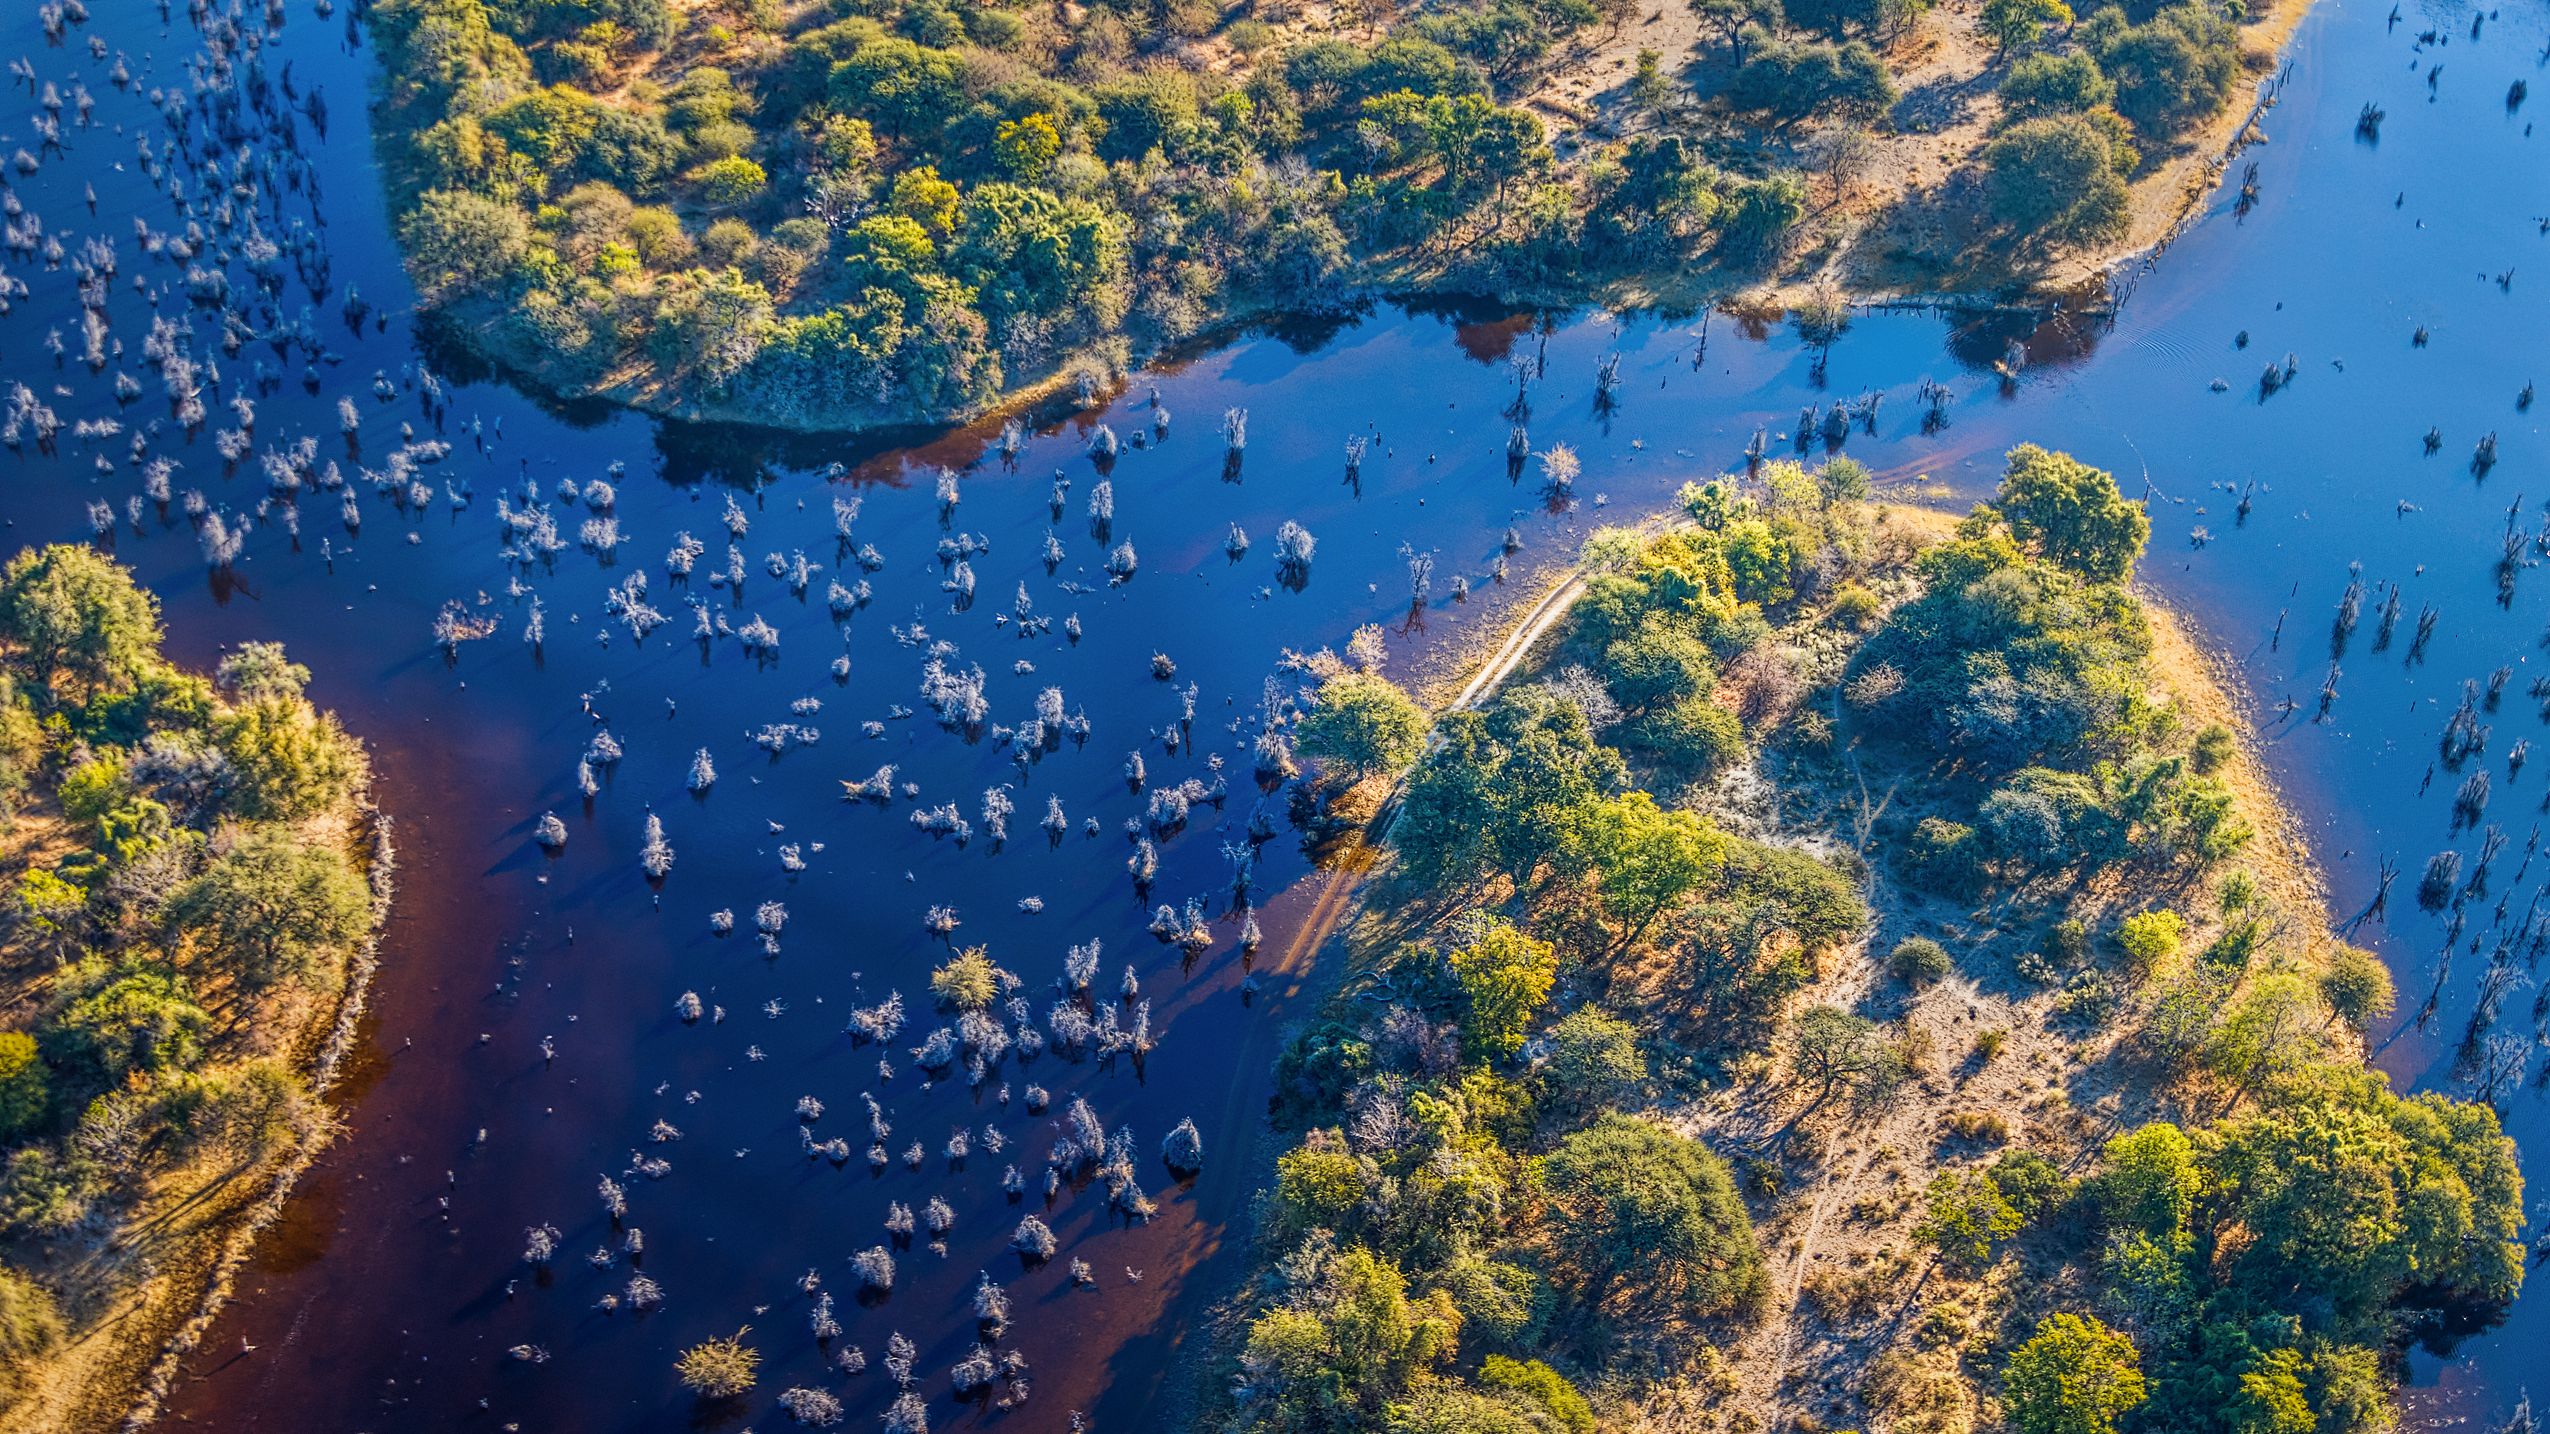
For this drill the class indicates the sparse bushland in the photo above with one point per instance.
(829, 215)
(1957, 1031)
(818, 214)
(192, 886)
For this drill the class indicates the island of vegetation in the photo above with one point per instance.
(193, 880)
(841, 213)
(1855, 978)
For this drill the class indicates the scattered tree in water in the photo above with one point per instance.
(719, 1368)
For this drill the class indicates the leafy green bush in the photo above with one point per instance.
(2073, 1376)
(2055, 181)
(1789, 80)
(25, 1093)
(1363, 725)
(2213, 749)
(133, 1018)
(1945, 857)
(1544, 1386)
(2355, 984)
(2150, 940)
(1657, 667)
(1967, 1218)
(461, 246)
(1647, 1215)
(2066, 84)
(2171, 72)
(1694, 737)
(1918, 961)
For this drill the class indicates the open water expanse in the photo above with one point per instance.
(526, 1042)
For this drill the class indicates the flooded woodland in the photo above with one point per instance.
(653, 966)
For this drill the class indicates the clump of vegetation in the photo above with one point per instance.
(1918, 961)
(1363, 725)
(719, 1368)
(1508, 1203)
(969, 981)
(826, 218)
(2080, 118)
(184, 863)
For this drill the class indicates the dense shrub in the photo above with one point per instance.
(2064, 84)
(1694, 737)
(1790, 80)
(2172, 71)
(2055, 181)
(24, 1080)
(1945, 857)
(1918, 961)
(1648, 1215)
(1266, 180)
(1363, 725)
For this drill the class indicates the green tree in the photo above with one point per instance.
(1790, 80)
(1642, 859)
(290, 761)
(2072, 513)
(1643, 1214)
(25, 1092)
(1505, 976)
(1730, 20)
(2019, 24)
(1967, 1217)
(1320, 1181)
(2271, 1030)
(2054, 180)
(461, 245)
(2350, 1197)
(1363, 725)
(141, 1018)
(2356, 986)
(2172, 71)
(2150, 1181)
(1593, 1056)
(2073, 1376)
(1027, 146)
(1834, 1050)
(910, 91)
(55, 911)
(2065, 84)
(69, 612)
(1030, 251)
(1351, 1345)
(274, 907)
(726, 183)
(1648, 87)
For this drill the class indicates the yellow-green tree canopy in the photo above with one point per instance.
(2073, 1376)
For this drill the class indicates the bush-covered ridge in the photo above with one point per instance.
(843, 212)
(184, 864)
(1899, 1046)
